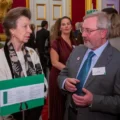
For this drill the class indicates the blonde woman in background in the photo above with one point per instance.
(114, 36)
(115, 31)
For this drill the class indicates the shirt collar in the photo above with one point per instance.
(99, 50)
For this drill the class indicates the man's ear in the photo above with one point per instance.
(103, 33)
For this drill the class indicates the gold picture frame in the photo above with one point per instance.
(44, 12)
(60, 12)
(38, 27)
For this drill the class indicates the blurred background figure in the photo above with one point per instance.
(79, 38)
(31, 41)
(114, 36)
(43, 45)
(77, 29)
(61, 47)
(77, 33)
(53, 36)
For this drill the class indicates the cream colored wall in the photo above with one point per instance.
(99, 4)
(103, 4)
(49, 10)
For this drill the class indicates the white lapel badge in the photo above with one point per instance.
(78, 58)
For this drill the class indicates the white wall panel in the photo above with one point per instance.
(49, 10)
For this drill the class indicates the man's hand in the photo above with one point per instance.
(85, 100)
(70, 84)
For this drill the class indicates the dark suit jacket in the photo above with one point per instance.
(41, 37)
(105, 88)
(31, 41)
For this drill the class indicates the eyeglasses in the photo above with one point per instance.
(87, 30)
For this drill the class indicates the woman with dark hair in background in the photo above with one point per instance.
(42, 37)
(17, 60)
(61, 48)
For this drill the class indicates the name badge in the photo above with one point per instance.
(98, 71)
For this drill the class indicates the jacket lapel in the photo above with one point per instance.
(79, 58)
(103, 61)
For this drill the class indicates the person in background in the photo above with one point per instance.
(79, 38)
(114, 36)
(77, 33)
(91, 78)
(54, 30)
(42, 37)
(60, 50)
(77, 29)
(31, 41)
(17, 60)
(53, 36)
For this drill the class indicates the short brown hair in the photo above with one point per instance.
(11, 18)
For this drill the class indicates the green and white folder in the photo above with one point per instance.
(21, 93)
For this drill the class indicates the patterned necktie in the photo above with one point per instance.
(84, 72)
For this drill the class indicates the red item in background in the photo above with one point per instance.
(78, 10)
(19, 3)
(44, 114)
(1, 29)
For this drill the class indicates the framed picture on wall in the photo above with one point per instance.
(57, 0)
(38, 27)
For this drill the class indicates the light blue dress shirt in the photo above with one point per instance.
(97, 52)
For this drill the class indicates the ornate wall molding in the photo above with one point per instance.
(57, 11)
(69, 8)
(42, 8)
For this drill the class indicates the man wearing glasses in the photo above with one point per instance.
(91, 78)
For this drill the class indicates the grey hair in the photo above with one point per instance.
(103, 21)
(77, 25)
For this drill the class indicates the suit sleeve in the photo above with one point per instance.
(110, 104)
(37, 36)
(62, 76)
(64, 72)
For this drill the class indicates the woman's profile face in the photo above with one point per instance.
(66, 26)
(22, 31)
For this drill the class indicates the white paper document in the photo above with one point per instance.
(21, 94)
